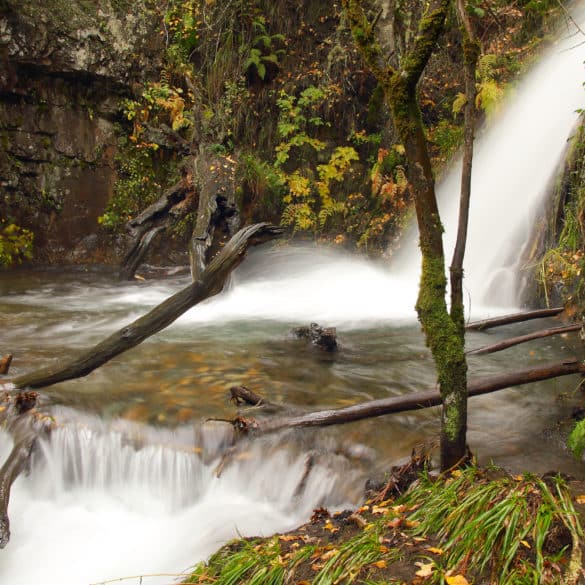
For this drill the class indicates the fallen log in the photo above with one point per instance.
(506, 343)
(242, 395)
(512, 318)
(137, 253)
(416, 401)
(13, 466)
(211, 282)
(26, 425)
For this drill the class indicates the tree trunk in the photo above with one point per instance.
(211, 282)
(443, 335)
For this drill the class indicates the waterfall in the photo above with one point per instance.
(515, 160)
(110, 500)
(105, 500)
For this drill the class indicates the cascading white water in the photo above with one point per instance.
(108, 500)
(514, 162)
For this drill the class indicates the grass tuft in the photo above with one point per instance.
(504, 528)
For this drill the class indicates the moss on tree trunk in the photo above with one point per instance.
(444, 335)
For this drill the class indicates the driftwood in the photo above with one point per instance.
(416, 401)
(5, 364)
(13, 466)
(154, 219)
(138, 252)
(211, 283)
(20, 418)
(513, 318)
(506, 343)
(242, 395)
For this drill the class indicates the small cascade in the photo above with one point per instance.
(109, 500)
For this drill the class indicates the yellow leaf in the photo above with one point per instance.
(456, 580)
(425, 570)
(381, 564)
(580, 499)
(437, 551)
(379, 510)
(526, 544)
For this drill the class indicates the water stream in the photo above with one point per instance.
(128, 487)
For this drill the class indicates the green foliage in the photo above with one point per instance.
(136, 188)
(181, 30)
(264, 49)
(158, 104)
(489, 87)
(576, 440)
(261, 186)
(447, 137)
(559, 270)
(16, 244)
(309, 199)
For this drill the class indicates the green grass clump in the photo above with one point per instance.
(498, 527)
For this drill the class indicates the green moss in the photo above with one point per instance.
(446, 342)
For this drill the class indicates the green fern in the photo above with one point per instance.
(329, 209)
(458, 103)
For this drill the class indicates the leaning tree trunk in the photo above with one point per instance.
(210, 283)
(443, 336)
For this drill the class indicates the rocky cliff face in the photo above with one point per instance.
(64, 66)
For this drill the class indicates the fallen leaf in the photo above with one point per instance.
(525, 543)
(395, 523)
(437, 551)
(287, 537)
(381, 564)
(580, 499)
(379, 510)
(456, 580)
(425, 570)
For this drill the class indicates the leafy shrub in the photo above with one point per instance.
(16, 244)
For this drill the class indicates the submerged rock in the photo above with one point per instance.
(323, 337)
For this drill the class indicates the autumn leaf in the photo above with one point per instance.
(381, 564)
(395, 522)
(425, 569)
(437, 551)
